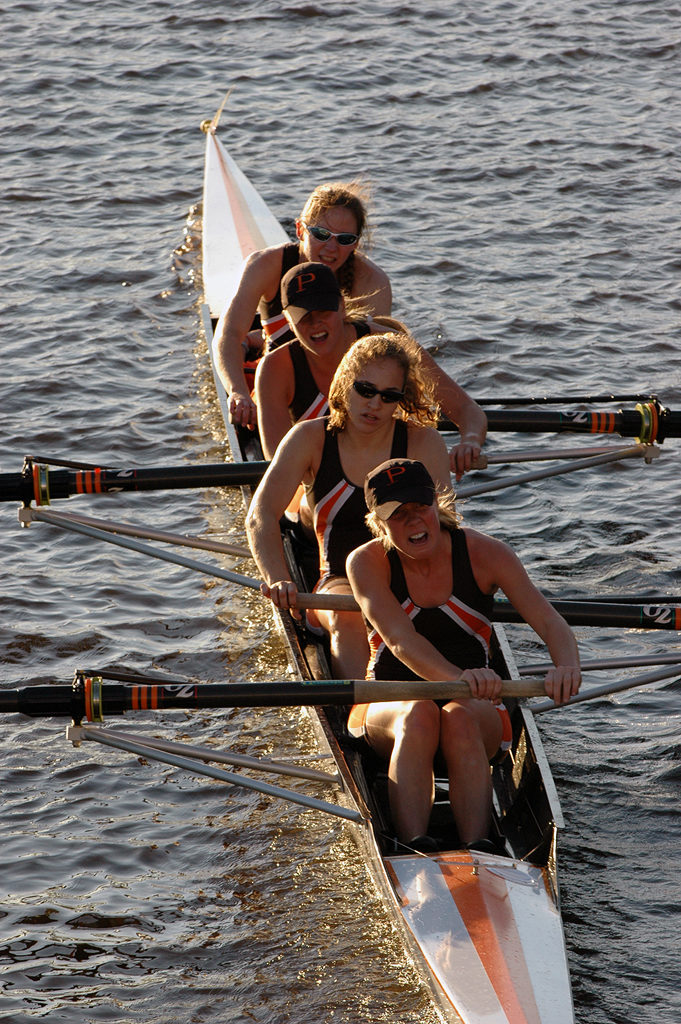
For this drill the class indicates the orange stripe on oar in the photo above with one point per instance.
(145, 698)
(89, 481)
(603, 422)
(483, 902)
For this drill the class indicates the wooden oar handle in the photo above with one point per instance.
(369, 690)
(328, 602)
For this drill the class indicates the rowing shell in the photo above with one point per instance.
(485, 930)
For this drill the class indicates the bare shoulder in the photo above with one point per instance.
(367, 561)
(428, 446)
(371, 280)
(275, 363)
(491, 560)
(264, 266)
(369, 270)
(421, 439)
(482, 544)
(307, 432)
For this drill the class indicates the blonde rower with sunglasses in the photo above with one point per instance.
(382, 407)
(329, 231)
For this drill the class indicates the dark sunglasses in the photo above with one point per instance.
(323, 235)
(366, 390)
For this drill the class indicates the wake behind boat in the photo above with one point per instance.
(485, 928)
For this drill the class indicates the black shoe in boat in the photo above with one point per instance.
(423, 844)
(482, 846)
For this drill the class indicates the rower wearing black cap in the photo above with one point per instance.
(425, 586)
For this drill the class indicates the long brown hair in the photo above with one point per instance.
(418, 405)
(352, 196)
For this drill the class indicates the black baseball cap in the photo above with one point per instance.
(307, 287)
(396, 482)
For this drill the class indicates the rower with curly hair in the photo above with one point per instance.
(382, 406)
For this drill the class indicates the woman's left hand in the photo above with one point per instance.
(562, 682)
(463, 456)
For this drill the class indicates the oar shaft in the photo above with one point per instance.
(649, 422)
(40, 484)
(577, 613)
(564, 399)
(89, 698)
(584, 613)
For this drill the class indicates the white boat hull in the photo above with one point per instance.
(488, 929)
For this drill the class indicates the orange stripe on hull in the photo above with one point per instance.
(248, 235)
(482, 901)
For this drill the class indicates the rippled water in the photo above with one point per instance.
(525, 172)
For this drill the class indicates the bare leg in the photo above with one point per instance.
(347, 635)
(470, 736)
(408, 733)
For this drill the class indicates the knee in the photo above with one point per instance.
(458, 726)
(420, 725)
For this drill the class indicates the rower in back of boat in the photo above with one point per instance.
(425, 586)
(382, 406)
(292, 382)
(329, 230)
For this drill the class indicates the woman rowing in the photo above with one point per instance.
(381, 407)
(425, 586)
(329, 230)
(293, 381)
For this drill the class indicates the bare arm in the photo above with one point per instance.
(427, 446)
(460, 408)
(369, 575)
(260, 277)
(496, 565)
(274, 384)
(296, 460)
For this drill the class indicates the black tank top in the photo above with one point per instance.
(460, 629)
(274, 323)
(338, 506)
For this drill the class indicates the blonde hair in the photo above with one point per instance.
(448, 514)
(417, 406)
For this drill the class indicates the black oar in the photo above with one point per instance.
(587, 613)
(40, 484)
(649, 422)
(89, 698)
(566, 399)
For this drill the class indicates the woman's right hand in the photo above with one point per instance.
(283, 594)
(242, 410)
(485, 684)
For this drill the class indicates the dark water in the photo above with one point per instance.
(525, 170)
